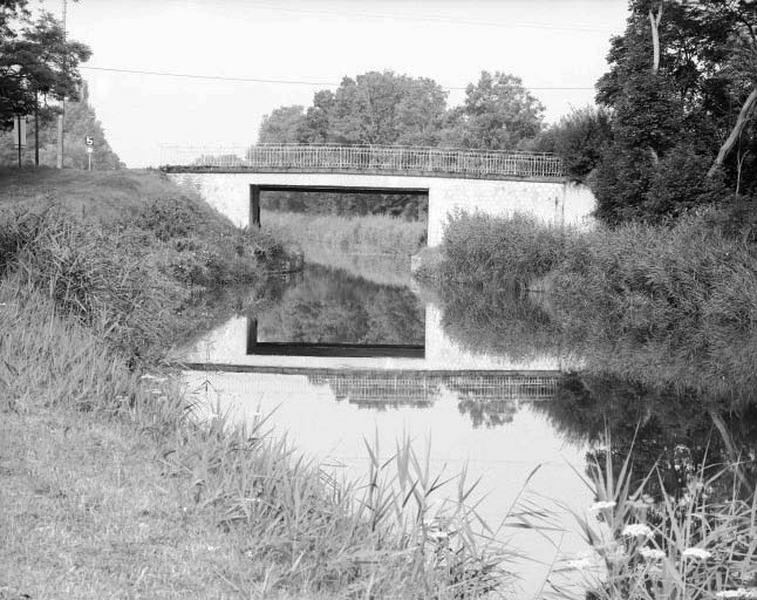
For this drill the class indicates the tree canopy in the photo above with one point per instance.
(38, 63)
(681, 90)
(386, 108)
(81, 122)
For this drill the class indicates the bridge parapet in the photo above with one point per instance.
(397, 160)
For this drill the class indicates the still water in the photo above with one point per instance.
(337, 359)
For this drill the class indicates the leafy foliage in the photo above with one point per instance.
(37, 63)
(81, 122)
(386, 108)
(674, 114)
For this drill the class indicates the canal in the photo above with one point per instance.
(355, 354)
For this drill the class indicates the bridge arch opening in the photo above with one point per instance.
(408, 202)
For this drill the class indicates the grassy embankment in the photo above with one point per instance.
(670, 308)
(109, 485)
(375, 247)
(663, 306)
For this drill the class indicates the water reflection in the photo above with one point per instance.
(676, 434)
(322, 305)
(496, 384)
(487, 399)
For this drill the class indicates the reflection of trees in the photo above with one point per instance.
(716, 359)
(497, 322)
(490, 400)
(382, 390)
(327, 305)
(678, 432)
(493, 400)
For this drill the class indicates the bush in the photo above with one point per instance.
(670, 306)
(507, 253)
(579, 139)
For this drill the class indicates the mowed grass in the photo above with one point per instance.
(110, 484)
(105, 196)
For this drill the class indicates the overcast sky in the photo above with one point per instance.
(548, 43)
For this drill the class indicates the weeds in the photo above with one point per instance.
(690, 548)
(663, 306)
(370, 235)
(85, 310)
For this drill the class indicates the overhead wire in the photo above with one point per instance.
(277, 81)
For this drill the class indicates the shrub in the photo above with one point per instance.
(579, 139)
(486, 250)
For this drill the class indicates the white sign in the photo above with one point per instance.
(19, 131)
(90, 149)
(89, 141)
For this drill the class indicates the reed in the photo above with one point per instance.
(663, 306)
(86, 311)
(369, 235)
(694, 547)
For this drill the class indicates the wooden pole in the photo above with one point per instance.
(18, 128)
(36, 135)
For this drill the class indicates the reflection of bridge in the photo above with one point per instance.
(413, 388)
(487, 398)
(494, 182)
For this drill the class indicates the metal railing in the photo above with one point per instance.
(366, 159)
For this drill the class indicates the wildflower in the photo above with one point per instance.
(637, 530)
(601, 505)
(741, 593)
(652, 553)
(580, 564)
(699, 553)
(148, 377)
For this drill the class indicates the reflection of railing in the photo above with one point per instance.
(366, 159)
(420, 389)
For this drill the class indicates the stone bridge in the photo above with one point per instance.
(497, 183)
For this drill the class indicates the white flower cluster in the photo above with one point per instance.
(699, 553)
(741, 594)
(652, 553)
(637, 530)
(601, 505)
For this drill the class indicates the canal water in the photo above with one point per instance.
(335, 360)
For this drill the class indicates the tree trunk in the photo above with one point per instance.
(741, 122)
(654, 21)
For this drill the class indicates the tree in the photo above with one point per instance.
(37, 64)
(81, 122)
(385, 108)
(681, 81)
(498, 114)
(283, 126)
(579, 139)
(315, 129)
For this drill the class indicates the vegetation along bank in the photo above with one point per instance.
(111, 485)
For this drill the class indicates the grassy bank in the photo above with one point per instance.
(664, 306)
(112, 488)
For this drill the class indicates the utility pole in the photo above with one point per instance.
(63, 102)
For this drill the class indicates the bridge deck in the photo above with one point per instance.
(383, 160)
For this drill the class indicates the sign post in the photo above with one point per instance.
(89, 140)
(19, 135)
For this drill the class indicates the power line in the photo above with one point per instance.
(279, 81)
(437, 19)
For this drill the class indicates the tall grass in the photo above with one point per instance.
(86, 311)
(483, 250)
(372, 234)
(665, 306)
(687, 548)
